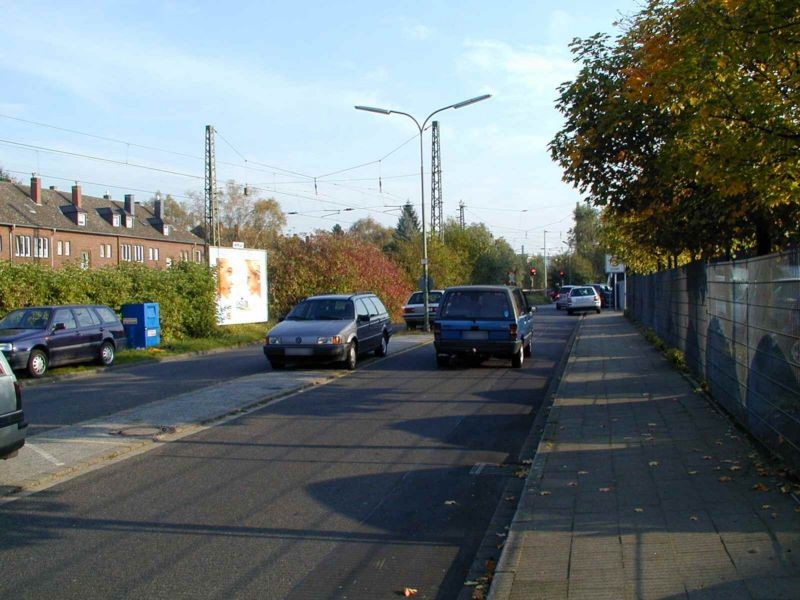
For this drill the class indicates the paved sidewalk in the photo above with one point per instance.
(641, 489)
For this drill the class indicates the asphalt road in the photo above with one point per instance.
(380, 480)
(66, 402)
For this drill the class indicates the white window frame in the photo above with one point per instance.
(138, 253)
(82, 219)
(22, 245)
(125, 252)
(108, 250)
(41, 247)
(116, 220)
(67, 247)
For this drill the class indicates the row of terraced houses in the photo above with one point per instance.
(54, 227)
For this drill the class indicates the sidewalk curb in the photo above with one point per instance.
(139, 445)
(544, 423)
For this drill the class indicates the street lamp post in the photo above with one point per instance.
(384, 111)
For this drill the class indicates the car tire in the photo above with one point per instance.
(107, 354)
(557, 306)
(442, 360)
(37, 363)
(351, 356)
(518, 358)
(528, 350)
(570, 312)
(411, 326)
(383, 348)
(597, 310)
(277, 364)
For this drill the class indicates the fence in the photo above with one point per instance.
(738, 325)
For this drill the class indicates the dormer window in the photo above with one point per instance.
(165, 229)
(129, 221)
(82, 219)
(116, 220)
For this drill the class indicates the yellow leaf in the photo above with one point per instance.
(408, 592)
(725, 479)
(760, 487)
(653, 463)
(638, 510)
(544, 493)
(692, 472)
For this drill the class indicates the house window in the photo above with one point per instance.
(125, 251)
(198, 256)
(23, 245)
(81, 219)
(102, 251)
(108, 250)
(67, 246)
(84, 260)
(59, 247)
(41, 248)
(152, 254)
(138, 253)
(128, 221)
(168, 262)
(115, 220)
(184, 255)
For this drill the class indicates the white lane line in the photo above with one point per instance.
(44, 454)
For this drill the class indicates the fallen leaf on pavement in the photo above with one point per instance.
(652, 425)
(502, 535)
(510, 498)
(725, 479)
(408, 592)
(653, 463)
(572, 484)
(706, 457)
(774, 515)
(693, 518)
(527, 461)
(766, 506)
(583, 472)
(639, 510)
(521, 474)
(760, 487)
(471, 582)
(604, 490)
(450, 502)
(692, 472)
(735, 468)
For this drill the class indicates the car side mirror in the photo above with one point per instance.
(363, 318)
(59, 327)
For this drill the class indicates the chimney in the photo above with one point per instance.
(52, 187)
(36, 190)
(107, 196)
(159, 208)
(129, 204)
(76, 195)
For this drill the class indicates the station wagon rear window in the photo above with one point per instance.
(476, 304)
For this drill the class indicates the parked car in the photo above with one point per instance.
(331, 328)
(482, 321)
(414, 309)
(582, 298)
(12, 420)
(561, 296)
(38, 337)
(606, 294)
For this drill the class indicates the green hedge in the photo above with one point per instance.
(185, 292)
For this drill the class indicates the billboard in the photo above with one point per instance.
(241, 285)
(613, 265)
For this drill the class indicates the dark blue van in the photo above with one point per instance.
(482, 321)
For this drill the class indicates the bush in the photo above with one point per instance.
(185, 292)
(336, 264)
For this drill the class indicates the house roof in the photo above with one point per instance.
(17, 208)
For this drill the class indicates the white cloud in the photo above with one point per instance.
(417, 32)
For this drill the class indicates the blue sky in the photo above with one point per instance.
(279, 81)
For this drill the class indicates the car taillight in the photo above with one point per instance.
(437, 330)
(512, 331)
(18, 392)
(408, 309)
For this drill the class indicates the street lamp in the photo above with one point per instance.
(384, 111)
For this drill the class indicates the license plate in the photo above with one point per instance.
(475, 335)
(297, 352)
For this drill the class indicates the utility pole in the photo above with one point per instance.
(545, 259)
(461, 214)
(211, 205)
(437, 222)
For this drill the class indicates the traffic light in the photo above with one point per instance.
(561, 273)
(533, 271)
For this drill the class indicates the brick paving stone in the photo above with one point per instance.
(650, 489)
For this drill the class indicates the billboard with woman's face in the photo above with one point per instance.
(241, 285)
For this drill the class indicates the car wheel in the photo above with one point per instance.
(557, 306)
(411, 326)
(351, 356)
(107, 354)
(37, 363)
(517, 359)
(529, 347)
(383, 349)
(570, 312)
(598, 310)
(277, 364)
(442, 360)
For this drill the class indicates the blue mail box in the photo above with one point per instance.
(142, 324)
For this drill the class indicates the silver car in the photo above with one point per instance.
(12, 420)
(414, 309)
(331, 328)
(583, 297)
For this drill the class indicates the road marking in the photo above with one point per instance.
(44, 454)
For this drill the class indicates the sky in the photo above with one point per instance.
(134, 84)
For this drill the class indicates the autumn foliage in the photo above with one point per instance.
(327, 263)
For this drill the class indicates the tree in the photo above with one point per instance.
(337, 230)
(6, 176)
(408, 223)
(586, 244)
(372, 232)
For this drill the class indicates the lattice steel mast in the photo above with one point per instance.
(437, 209)
(212, 206)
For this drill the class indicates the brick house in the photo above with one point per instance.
(54, 227)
